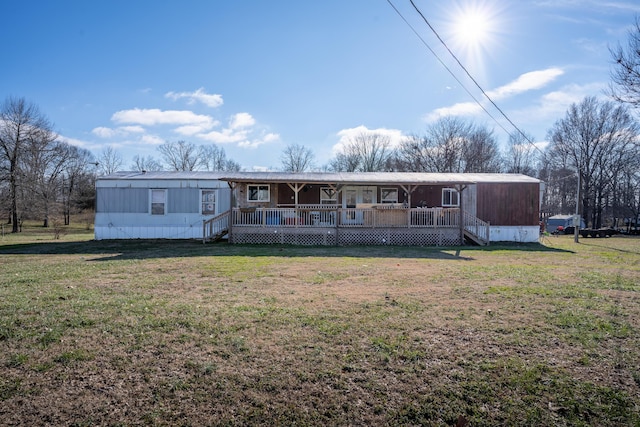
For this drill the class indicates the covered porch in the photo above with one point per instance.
(322, 225)
(351, 209)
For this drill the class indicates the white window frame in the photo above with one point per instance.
(152, 201)
(259, 191)
(386, 192)
(208, 196)
(328, 196)
(448, 195)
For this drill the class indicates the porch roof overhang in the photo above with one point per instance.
(375, 178)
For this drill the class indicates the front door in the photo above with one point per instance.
(352, 197)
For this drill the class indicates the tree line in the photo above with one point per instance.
(43, 177)
(591, 158)
(39, 175)
(590, 162)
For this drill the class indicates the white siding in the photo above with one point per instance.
(123, 208)
(519, 234)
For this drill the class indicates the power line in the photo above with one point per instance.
(526, 138)
(445, 66)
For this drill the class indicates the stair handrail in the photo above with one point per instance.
(476, 227)
(217, 225)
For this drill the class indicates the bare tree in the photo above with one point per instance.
(232, 166)
(521, 156)
(179, 156)
(21, 122)
(445, 144)
(109, 161)
(481, 153)
(626, 71)
(451, 145)
(629, 191)
(43, 168)
(412, 155)
(142, 163)
(595, 139)
(214, 158)
(78, 182)
(297, 158)
(364, 152)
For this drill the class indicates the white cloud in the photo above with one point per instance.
(132, 129)
(459, 109)
(154, 116)
(75, 142)
(395, 136)
(555, 104)
(256, 142)
(271, 137)
(103, 132)
(190, 130)
(541, 145)
(240, 131)
(151, 140)
(526, 82)
(210, 100)
(241, 120)
(226, 136)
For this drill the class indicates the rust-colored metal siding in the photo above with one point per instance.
(509, 203)
(427, 196)
(310, 194)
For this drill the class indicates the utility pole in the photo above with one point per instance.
(576, 218)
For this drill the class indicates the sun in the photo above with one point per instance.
(472, 28)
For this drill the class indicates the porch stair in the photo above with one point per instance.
(214, 229)
(476, 230)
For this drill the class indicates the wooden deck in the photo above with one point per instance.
(323, 225)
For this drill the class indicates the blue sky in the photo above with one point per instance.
(254, 76)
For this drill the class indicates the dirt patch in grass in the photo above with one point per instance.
(176, 333)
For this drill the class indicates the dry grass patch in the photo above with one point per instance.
(178, 333)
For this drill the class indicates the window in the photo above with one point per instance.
(389, 195)
(158, 200)
(258, 193)
(450, 197)
(208, 202)
(328, 196)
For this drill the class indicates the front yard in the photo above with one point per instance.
(181, 333)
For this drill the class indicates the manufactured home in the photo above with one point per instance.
(385, 208)
(158, 205)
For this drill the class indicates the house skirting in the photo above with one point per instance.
(519, 233)
(347, 236)
(150, 232)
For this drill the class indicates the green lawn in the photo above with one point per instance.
(181, 333)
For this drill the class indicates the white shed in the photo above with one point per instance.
(158, 205)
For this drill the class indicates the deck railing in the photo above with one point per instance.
(319, 216)
(477, 227)
(215, 227)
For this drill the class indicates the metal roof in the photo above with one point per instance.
(139, 175)
(355, 178)
(377, 177)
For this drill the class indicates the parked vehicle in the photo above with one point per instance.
(562, 224)
(599, 232)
